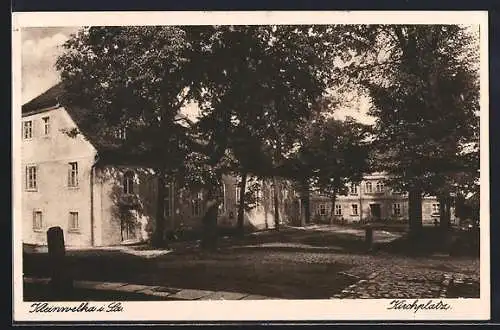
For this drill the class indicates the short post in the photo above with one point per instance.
(369, 237)
(60, 281)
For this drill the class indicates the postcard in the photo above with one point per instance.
(250, 166)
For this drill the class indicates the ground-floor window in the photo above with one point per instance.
(322, 209)
(396, 209)
(338, 209)
(197, 204)
(435, 208)
(74, 223)
(222, 205)
(37, 220)
(168, 201)
(237, 193)
(354, 209)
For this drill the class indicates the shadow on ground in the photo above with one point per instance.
(41, 292)
(247, 272)
(432, 241)
(286, 264)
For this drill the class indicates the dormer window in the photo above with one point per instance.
(128, 182)
(369, 187)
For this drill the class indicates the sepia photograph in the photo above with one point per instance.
(257, 163)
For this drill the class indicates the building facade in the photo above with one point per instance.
(68, 183)
(372, 201)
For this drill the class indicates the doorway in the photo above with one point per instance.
(375, 211)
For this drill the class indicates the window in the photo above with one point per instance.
(338, 209)
(121, 133)
(27, 129)
(197, 207)
(369, 188)
(168, 204)
(74, 225)
(353, 189)
(37, 220)
(354, 208)
(380, 187)
(31, 178)
(237, 194)
(128, 182)
(73, 174)
(396, 209)
(222, 206)
(46, 126)
(435, 208)
(322, 209)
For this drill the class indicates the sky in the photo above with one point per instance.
(42, 46)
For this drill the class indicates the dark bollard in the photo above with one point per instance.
(60, 281)
(369, 237)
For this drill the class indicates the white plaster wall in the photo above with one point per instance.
(53, 197)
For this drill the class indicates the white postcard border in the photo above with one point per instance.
(291, 310)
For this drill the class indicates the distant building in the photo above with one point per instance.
(372, 201)
(100, 199)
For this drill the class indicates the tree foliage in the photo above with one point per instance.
(424, 87)
(253, 85)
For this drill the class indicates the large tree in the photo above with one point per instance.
(250, 82)
(424, 89)
(260, 82)
(336, 152)
(133, 78)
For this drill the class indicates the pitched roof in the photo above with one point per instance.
(107, 155)
(47, 99)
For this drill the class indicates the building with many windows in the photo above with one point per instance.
(98, 199)
(372, 200)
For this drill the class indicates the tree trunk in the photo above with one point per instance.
(332, 211)
(307, 208)
(241, 204)
(444, 213)
(415, 212)
(209, 237)
(306, 203)
(158, 239)
(444, 221)
(276, 187)
(276, 204)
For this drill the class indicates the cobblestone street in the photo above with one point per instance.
(403, 278)
(387, 276)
